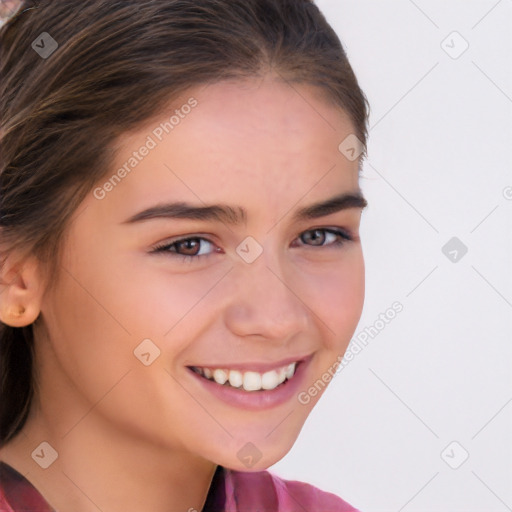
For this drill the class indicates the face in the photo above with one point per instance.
(141, 299)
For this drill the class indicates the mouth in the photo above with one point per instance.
(253, 386)
(249, 380)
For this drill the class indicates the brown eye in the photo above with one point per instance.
(187, 248)
(190, 246)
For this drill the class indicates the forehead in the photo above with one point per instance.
(280, 116)
(253, 140)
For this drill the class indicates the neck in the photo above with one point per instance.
(98, 469)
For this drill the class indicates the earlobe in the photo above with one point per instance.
(20, 292)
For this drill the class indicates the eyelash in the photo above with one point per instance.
(344, 237)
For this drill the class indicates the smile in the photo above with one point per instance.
(248, 380)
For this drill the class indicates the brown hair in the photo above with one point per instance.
(117, 63)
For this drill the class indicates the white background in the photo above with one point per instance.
(439, 161)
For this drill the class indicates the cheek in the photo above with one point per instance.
(91, 350)
(88, 342)
(336, 297)
(161, 303)
(89, 338)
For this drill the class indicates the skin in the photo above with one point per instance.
(130, 436)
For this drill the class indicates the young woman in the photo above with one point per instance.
(180, 261)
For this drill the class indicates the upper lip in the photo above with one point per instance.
(256, 367)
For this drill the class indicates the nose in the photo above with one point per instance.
(266, 302)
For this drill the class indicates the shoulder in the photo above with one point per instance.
(253, 490)
(18, 494)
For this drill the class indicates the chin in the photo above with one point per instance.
(261, 465)
(253, 457)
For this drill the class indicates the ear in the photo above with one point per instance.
(21, 290)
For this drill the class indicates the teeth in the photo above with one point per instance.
(220, 376)
(252, 381)
(235, 378)
(269, 380)
(249, 381)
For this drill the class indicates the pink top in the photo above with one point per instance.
(231, 491)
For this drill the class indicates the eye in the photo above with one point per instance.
(187, 248)
(193, 248)
(319, 236)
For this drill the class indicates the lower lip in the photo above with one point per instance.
(257, 400)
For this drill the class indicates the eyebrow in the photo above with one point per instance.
(238, 215)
